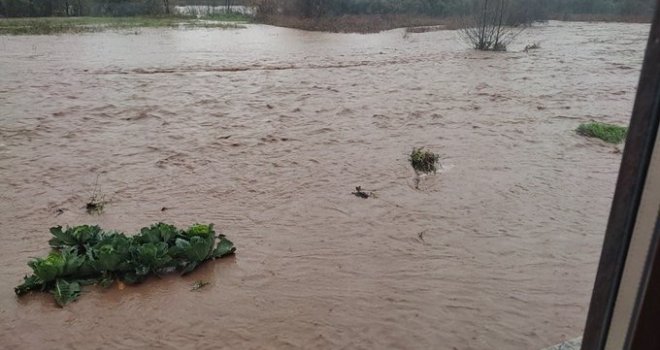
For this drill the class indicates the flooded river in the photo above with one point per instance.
(265, 132)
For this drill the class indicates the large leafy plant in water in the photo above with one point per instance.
(85, 255)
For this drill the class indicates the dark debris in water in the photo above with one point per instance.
(362, 194)
(94, 207)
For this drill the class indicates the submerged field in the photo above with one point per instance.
(266, 131)
(71, 25)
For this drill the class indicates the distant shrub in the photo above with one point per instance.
(486, 28)
(533, 46)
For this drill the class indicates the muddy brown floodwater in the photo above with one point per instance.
(266, 131)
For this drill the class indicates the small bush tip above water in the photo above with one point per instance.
(607, 132)
(96, 201)
(423, 160)
(534, 46)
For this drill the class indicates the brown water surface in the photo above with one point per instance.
(265, 132)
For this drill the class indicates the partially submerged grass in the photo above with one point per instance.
(199, 284)
(61, 25)
(604, 131)
(423, 160)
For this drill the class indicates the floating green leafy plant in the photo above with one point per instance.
(88, 255)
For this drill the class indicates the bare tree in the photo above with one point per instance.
(229, 6)
(485, 28)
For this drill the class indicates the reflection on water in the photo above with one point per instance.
(266, 131)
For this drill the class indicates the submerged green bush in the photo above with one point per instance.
(423, 160)
(84, 255)
(606, 132)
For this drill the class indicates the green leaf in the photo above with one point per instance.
(29, 284)
(65, 292)
(200, 249)
(154, 256)
(61, 238)
(112, 253)
(108, 258)
(200, 230)
(86, 234)
(77, 236)
(159, 232)
(48, 268)
(72, 261)
(224, 248)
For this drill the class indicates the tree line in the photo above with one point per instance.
(47, 8)
(521, 9)
(534, 9)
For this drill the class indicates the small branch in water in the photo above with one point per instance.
(362, 194)
(96, 201)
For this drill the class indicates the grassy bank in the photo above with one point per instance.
(60, 25)
(359, 23)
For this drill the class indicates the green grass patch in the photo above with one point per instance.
(423, 160)
(63, 25)
(606, 132)
(84, 255)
